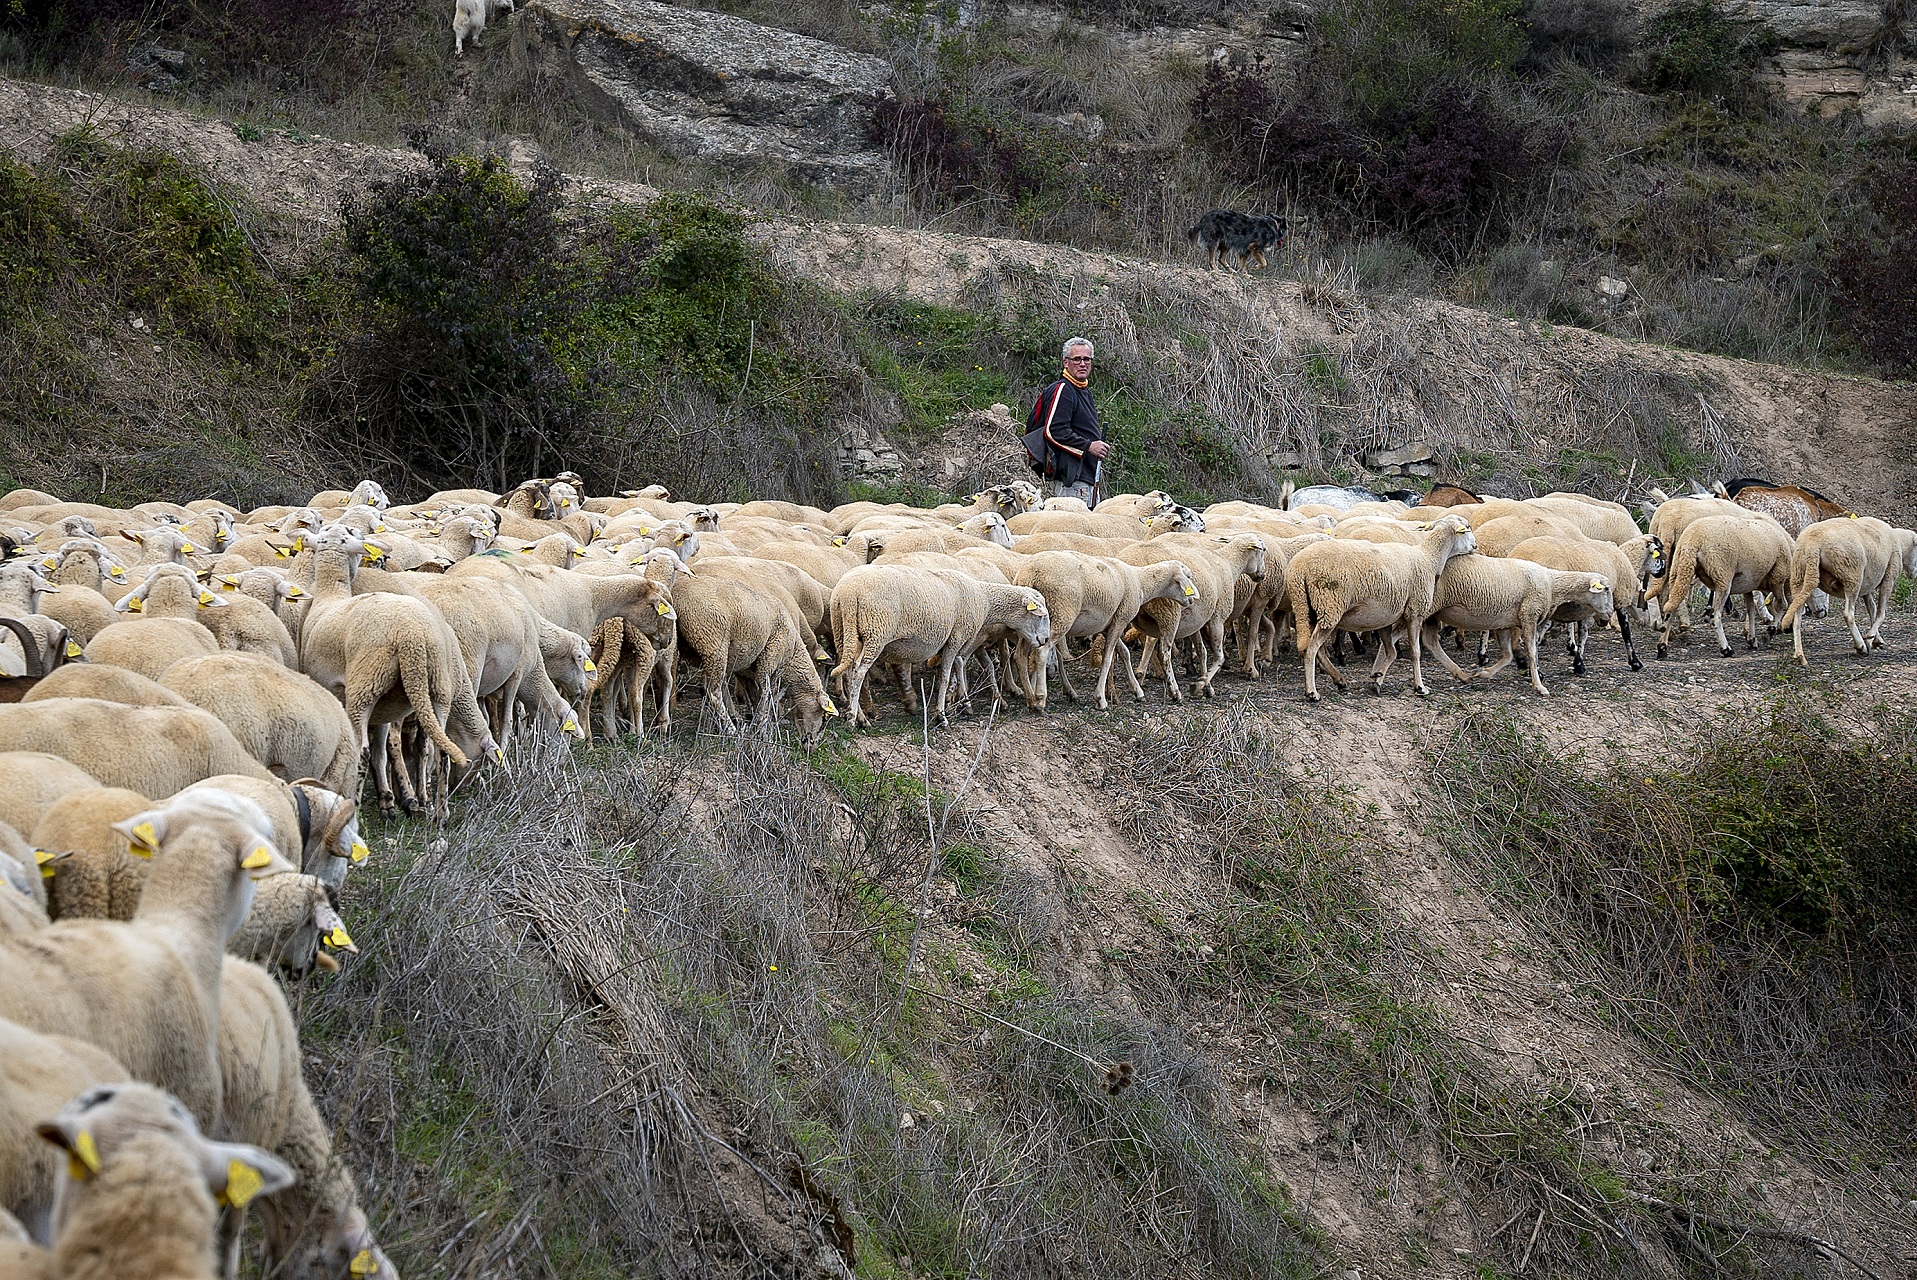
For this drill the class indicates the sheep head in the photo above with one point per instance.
(129, 1120)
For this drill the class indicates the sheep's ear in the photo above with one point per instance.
(262, 860)
(131, 536)
(229, 582)
(210, 601)
(128, 603)
(332, 929)
(238, 1174)
(83, 1155)
(826, 705)
(144, 832)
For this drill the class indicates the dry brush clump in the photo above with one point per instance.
(1744, 907)
(682, 1012)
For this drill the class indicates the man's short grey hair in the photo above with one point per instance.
(1079, 342)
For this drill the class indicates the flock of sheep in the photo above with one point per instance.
(191, 693)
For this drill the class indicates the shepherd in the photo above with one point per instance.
(1063, 437)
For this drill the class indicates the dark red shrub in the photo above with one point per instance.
(1875, 273)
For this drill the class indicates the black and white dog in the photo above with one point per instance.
(1243, 235)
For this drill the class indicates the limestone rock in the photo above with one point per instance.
(714, 87)
(1828, 24)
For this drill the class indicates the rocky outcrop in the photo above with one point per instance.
(1841, 55)
(714, 87)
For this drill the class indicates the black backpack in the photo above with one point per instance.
(1038, 437)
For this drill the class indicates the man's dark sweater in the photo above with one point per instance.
(1074, 426)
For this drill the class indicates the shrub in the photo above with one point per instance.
(1876, 277)
(956, 152)
(1597, 33)
(1693, 47)
(468, 296)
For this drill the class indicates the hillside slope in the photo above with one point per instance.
(1304, 374)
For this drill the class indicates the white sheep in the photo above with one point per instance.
(147, 990)
(1361, 586)
(154, 749)
(1732, 555)
(1486, 593)
(282, 718)
(1096, 596)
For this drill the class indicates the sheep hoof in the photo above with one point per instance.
(1577, 668)
(1636, 664)
(1726, 651)
(1314, 697)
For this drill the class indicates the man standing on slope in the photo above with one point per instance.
(1065, 413)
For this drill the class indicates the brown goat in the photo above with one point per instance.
(1794, 507)
(1449, 495)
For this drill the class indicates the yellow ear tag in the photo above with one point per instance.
(45, 862)
(830, 709)
(838, 542)
(644, 531)
(1031, 606)
(1597, 584)
(1190, 590)
(74, 650)
(662, 607)
(85, 1153)
(145, 842)
(590, 668)
(339, 938)
(499, 754)
(49, 563)
(363, 1264)
(243, 1182)
(188, 548)
(206, 598)
(284, 553)
(229, 581)
(135, 605)
(360, 852)
(571, 726)
(117, 573)
(294, 593)
(260, 857)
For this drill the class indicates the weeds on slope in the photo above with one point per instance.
(1745, 907)
(650, 1012)
(1312, 978)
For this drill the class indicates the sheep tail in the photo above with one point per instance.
(1804, 574)
(416, 676)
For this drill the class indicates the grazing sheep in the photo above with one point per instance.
(147, 990)
(140, 1195)
(1096, 596)
(1732, 555)
(315, 1230)
(1361, 586)
(293, 920)
(282, 718)
(150, 645)
(731, 629)
(1486, 593)
(109, 684)
(159, 749)
(97, 878)
(39, 1074)
(1631, 564)
(315, 829)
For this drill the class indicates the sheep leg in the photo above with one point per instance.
(1630, 646)
(1484, 646)
(1100, 691)
(1387, 655)
(1065, 671)
(1850, 618)
(1437, 648)
(1214, 631)
(1506, 655)
(1415, 627)
(1719, 597)
(1168, 658)
(1529, 632)
(1752, 603)
(1575, 637)
(855, 688)
(946, 659)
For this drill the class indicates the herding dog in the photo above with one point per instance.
(1243, 235)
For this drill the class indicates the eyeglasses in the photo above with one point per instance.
(1078, 359)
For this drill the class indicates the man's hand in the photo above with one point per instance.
(1098, 448)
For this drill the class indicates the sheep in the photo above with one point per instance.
(315, 1230)
(907, 616)
(1216, 562)
(164, 545)
(500, 647)
(34, 780)
(728, 628)
(158, 749)
(1262, 610)
(293, 920)
(282, 718)
(25, 873)
(314, 828)
(785, 512)
(1901, 561)
(1138, 506)
(1633, 563)
(142, 1186)
(39, 1074)
(1339, 497)
(1732, 555)
(1844, 557)
(147, 990)
(150, 645)
(808, 599)
(1596, 519)
(1032, 544)
(1361, 586)
(108, 684)
(1487, 593)
(97, 879)
(1096, 596)
(1497, 537)
(1117, 528)
(383, 656)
